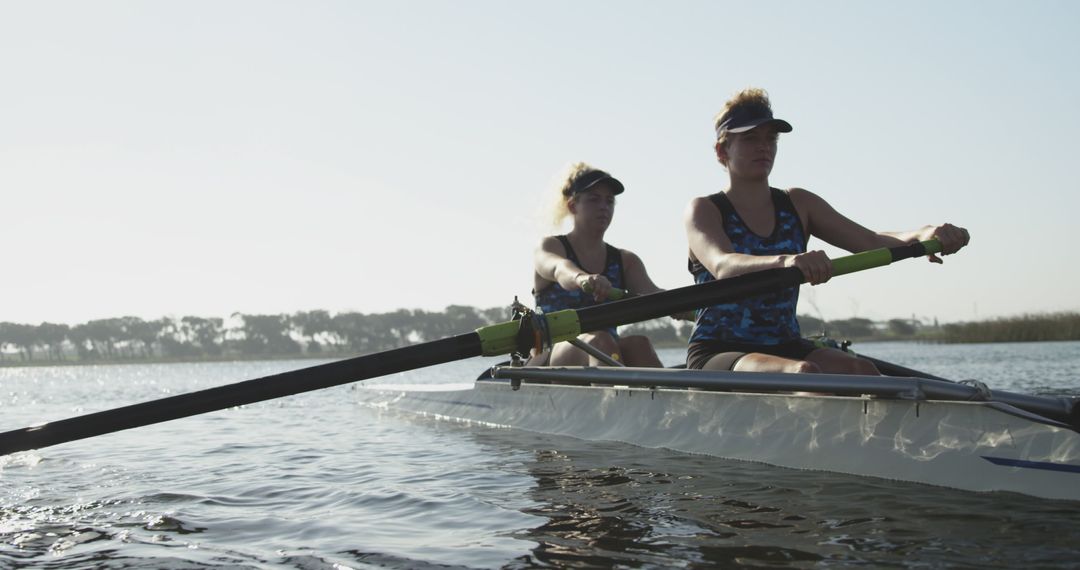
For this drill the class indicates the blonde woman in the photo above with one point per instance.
(751, 226)
(579, 269)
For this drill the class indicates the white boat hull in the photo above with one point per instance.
(975, 446)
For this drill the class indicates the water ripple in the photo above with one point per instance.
(318, 483)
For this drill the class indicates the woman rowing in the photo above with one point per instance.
(751, 226)
(579, 269)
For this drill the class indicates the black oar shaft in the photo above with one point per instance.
(242, 393)
(890, 369)
(655, 305)
(645, 307)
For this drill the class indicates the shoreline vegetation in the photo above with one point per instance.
(320, 334)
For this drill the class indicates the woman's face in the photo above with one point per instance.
(594, 208)
(751, 154)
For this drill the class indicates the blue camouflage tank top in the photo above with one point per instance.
(555, 298)
(764, 319)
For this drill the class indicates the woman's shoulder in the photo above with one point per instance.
(802, 197)
(799, 193)
(553, 241)
(702, 204)
(708, 198)
(553, 244)
(629, 257)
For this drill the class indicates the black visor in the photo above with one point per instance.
(742, 118)
(590, 179)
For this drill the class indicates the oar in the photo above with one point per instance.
(1056, 408)
(596, 353)
(655, 305)
(492, 340)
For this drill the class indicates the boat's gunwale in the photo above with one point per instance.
(1058, 412)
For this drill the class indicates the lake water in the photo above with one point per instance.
(317, 481)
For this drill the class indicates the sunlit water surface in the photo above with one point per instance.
(316, 481)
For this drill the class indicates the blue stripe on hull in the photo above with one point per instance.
(1033, 464)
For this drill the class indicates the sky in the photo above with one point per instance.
(204, 158)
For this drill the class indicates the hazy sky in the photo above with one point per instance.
(203, 158)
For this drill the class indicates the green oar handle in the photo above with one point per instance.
(883, 256)
(852, 263)
(614, 293)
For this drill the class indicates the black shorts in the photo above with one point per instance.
(701, 352)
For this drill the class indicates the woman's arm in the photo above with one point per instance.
(710, 246)
(637, 278)
(639, 282)
(552, 265)
(823, 221)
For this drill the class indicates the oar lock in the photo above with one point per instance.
(982, 392)
(532, 333)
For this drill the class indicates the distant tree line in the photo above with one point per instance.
(302, 334)
(1025, 328)
(857, 328)
(320, 333)
(310, 333)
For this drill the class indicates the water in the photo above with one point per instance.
(316, 481)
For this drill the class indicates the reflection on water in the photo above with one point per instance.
(631, 516)
(614, 505)
(315, 481)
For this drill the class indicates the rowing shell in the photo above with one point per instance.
(892, 430)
